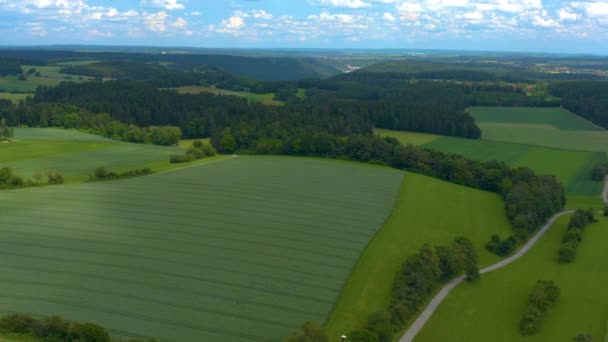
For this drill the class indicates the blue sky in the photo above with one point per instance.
(507, 25)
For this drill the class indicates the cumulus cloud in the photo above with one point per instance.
(345, 3)
(168, 5)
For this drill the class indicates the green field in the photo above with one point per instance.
(239, 249)
(267, 99)
(76, 154)
(15, 98)
(427, 211)
(549, 127)
(572, 168)
(491, 309)
(49, 77)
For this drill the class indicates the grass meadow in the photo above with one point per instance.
(427, 211)
(491, 309)
(262, 98)
(76, 154)
(549, 127)
(49, 77)
(572, 168)
(241, 249)
(15, 98)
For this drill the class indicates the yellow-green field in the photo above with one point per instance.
(262, 98)
(15, 98)
(49, 76)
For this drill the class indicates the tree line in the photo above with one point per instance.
(9, 180)
(574, 234)
(56, 328)
(541, 298)
(585, 98)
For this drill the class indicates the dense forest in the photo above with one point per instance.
(588, 99)
(266, 68)
(9, 66)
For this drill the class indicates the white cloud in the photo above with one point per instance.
(156, 22)
(98, 33)
(567, 14)
(345, 3)
(389, 17)
(168, 5)
(261, 14)
(593, 9)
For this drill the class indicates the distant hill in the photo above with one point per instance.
(260, 68)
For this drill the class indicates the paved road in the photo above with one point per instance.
(432, 306)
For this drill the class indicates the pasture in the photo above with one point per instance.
(427, 211)
(491, 309)
(15, 98)
(76, 154)
(548, 127)
(49, 77)
(267, 99)
(241, 249)
(572, 168)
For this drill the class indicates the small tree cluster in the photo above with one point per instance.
(424, 272)
(54, 328)
(574, 234)
(599, 172)
(582, 338)
(101, 174)
(308, 332)
(198, 150)
(502, 247)
(543, 296)
(6, 133)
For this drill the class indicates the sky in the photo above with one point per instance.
(483, 25)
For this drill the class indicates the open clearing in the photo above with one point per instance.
(49, 76)
(550, 127)
(267, 99)
(491, 309)
(427, 211)
(76, 154)
(572, 168)
(15, 98)
(241, 249)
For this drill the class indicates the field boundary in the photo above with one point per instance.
(419, 323)
(582, 118)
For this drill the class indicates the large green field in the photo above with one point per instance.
(572, 168)
(491, 309)
(550, 127)
(427, 211)
(76, 154)
(239, 249)
(267, 99)
(49, 76)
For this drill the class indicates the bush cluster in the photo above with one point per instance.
(574, 234)
(53, 328)
(9, 180)
(542, 297)
(421, 274)
(599, 172)
(101, 174)
(502, 247)
(198, 150)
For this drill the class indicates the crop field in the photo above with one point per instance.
(427, 211)
(491, 309)
(549, 127)
(76, 154)
(572, 168)
(241, 249)
(262, 98)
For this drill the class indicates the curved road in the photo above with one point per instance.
(432, 306)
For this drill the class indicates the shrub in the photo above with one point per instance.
(308, 332)
(501, 247)
(574, 234)
(379, 324)
(582, 338)
(566, 253)
(362, 336)
(17, 323)
(180, 158)
(88, 332)
(55, 178)
(543, 296)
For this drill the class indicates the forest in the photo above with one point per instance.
(588, 99)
